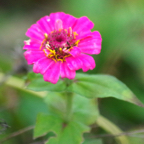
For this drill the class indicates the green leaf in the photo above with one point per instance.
(83, 110)
(56, 103)
(84, 113)
(102, 86)
(47, 123)
(71, 134)
(37, 83)
(65, 133)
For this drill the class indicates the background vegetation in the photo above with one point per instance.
(121, 25)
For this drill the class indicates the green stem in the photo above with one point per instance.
(69, 101)
(69, 106)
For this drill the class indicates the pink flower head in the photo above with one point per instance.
(60, 44)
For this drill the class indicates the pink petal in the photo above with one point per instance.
(87, 35)
(42, 65)
(91, 51)
(54, 17)
(67, 19)
(58, 24)
(96, 35)
(66, 72)
(45, 25)
(90, 48)
(32, 41)
(33, 56)
(91, 44)
(74, 63)
(53, 72)
(35, 32)
(91, 36)
(82, 24)
(75, 51)
(88, 62)
(83, 34)
(32, 45)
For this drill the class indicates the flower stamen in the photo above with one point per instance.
(46, 37)
(75, 34)
(59, 42)
(76, 43)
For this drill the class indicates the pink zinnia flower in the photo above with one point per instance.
(60, 44)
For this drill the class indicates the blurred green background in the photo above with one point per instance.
(121, 24)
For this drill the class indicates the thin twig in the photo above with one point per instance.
(39, 142)
(130, 134)
(3, 125)
(17, 133)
